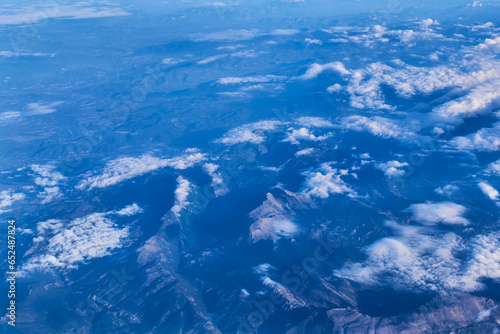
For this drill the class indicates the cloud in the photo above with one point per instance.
(212, 59)
(181, 194)
(434, 213)
(489, 191)
(316, 122)
(41, 108)
(7, 198)
(306, 151)
(130, 210)
(334, 88)
(9, 54)
(378, 126)
(313, 41)
(257, 79)
(325, 181)
(447, 190)
(248, 133)
(126, 168)
(365, 85)
(49, 179)
(47, 226)
(303, 134)
(226, 36)
(478, 100)
(392, 168)
(494, 167)
(9, 115)
(218, 183)
(417, 259)
(486, 139)
(284, 32)
(316, 69)
(67, 246)
(81, 10)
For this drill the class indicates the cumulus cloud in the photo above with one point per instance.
(130, 210)
(486, 139)
(49, 179)
(306, 151)
(76, 242)
(251, 133)
(218, 183)
(434, 213)
(42, 108)
(494, 167)
(378, 126)
(181, 194)
(126, 168)
(392, 168)
(7, 198)
(489, 191)
(316, 122)
(316, 69)
(325, 181)
(478, 100)
(447, 190)
(417, 259)
(303, 134)
(365, 85)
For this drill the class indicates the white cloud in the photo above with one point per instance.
(251, 133)
(316, 69)
(316, 122)
(75, 243)
(218, 184)
(489, 191)
(427, 23)
(415, 259)
(126, 168)
(494, 167)
(284, 32)
(334, 88)
(486, 139)
(306, 151)
(7, 198)
(41, 108)
(447, 190)
(478, 100)
(257, 79)
(46, 226)
(226, 36)
(303, 134)
(9, 54)
(365, 85)
(325, 181)
(392, 168)
(9, 115)
(181, 194)
(434, 213)
(130, 210)
(171, 61)
(80, 10)
(49, 179)
(378, 126)
(313, 41)
(211, 59)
